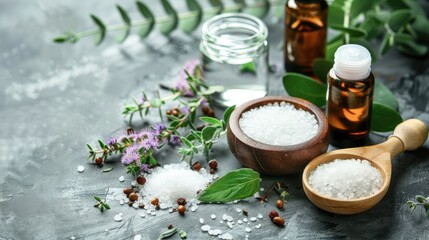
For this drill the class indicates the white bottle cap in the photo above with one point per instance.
(352, 62)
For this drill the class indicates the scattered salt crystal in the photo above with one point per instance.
(230, 225)
(194, 208)
(118, 218)
(226, 236)
(121, 201)
(229, 218)
(260, 215)
(173, 181)
(213, 216)
(106, 230)
(258, 226)
(239, 210)
(346, 179)
(148, 211)
(279, 124)
(153, 213)
(127, 200)
(224, 216)
(142, 215)
(201, 220)
(138, 237)
(220, 221)
(205, 228)
(136, 205)
(120, 214)
(80, 168)
(72, 238)
(121, 178)
(248, 230)
(235, 201)
(215, 232)
(170, 210)
(244, 219)
(239, 222)
(261, 189)
(253, 219)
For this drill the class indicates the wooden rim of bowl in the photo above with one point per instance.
(297, 102)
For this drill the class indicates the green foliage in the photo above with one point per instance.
(419, 200)
(384, 118)
(101, 204)
(187, 21)
(298, 85)
(234, 185)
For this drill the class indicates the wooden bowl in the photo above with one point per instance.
(271, 159)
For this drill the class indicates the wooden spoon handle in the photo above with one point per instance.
(412, 133)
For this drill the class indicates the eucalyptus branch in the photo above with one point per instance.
(419, 201)
(189, 20)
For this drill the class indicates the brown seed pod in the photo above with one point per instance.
(154, 201)
(127, 191)
(213, 164)
(245, 213)
(273, 214)
(133, 197)
(280, 204)
(279, 221)
(141, 180)
(181, 209)
(181, 201)
(99, 161)
(196, 166)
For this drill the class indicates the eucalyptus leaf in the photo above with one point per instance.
(383, 95)
(146, 28)
(234, 185)
(331, 48)
(99, 36)
(258, 8)
(236, 7)
(170, 23)
(412, 48)
(216, 8)
(387, 43)
(321, 68)
(399, 18)
(352, 31)
(61, 39)
(335, 15)
(299, 85)
(190, 22)
(372, 27)
(421, 27)
(360, 6)
(207, 133)
(384, 118)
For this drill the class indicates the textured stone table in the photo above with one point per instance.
(56, 98)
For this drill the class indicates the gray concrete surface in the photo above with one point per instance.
(56, 98)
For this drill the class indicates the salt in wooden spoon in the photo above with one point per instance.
(407, 136)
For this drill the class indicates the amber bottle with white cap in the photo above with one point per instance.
(349, 96)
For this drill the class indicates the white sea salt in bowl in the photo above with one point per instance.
(263, 148)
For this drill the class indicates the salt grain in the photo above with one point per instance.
(258, 226)
(118, 218)
(248, 230)
(121, 178)
(80, 168)
(201, 220)
(260, 215)
(252, 219)
(279, 124)
(213, 216)
(239, 222)
(244, 219)
(138, 237)
(239, 210)
(226, 236)
(205, 228)
(346, 179)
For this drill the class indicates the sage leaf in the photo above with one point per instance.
(383, 95)
(321, 68)
(384, 118)
(171, 21)
(227, 113)
(107, 170)
(207, 133)
(352, 31)
(188, 23)
(211, 120)
(399, 18)
(101, 29)
(127, 21)
(258, 9)
(186, 142)
(145, 29)
(298, 85)
(235, 185)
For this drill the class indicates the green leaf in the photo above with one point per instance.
(101, 29)
(127, 21)
(155, 102)
(216, 8)
(102, 144)
(167, 233)
(360, 6)
(227, 113)
(186, 142)
(208, 133)
(384, 118)
(89, 147)
(420, 198)
(298, 85)
(61, 39)
(191, 21)
(332, 47)
(97, 198)
(144, 30)
(352, 31)
(258, 8)
(237, 7)
(321, 68)
(420, 26)
(279, 8)
(412, 48)
(372, 27)
(234, 185)
(248, 68)
(387, 43)
(152, 161)
(335, 15)
(211, 120)
(383, 95)
(399, 18)
(183, 234)
(106, 205)
(171, 22)
(107, 170)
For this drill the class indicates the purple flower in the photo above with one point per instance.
(111, 141)
(174, 140)
(182, 83)
(204, 103)
(141, 100)
(184, 110)
(158, 129)
(130, 155)
(144, 168)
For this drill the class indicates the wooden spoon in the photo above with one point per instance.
(409, 135)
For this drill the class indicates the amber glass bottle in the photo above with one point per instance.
(304, 34)
(349, 96)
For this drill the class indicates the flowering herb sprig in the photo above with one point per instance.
(101, 204)
(420, 201)
(138, 147)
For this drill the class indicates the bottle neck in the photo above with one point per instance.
(233, 38)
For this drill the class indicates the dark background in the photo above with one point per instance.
(56, 98)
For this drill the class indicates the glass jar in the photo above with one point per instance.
(234, 51)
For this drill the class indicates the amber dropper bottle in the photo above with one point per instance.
(304, 34)
(349, 96)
